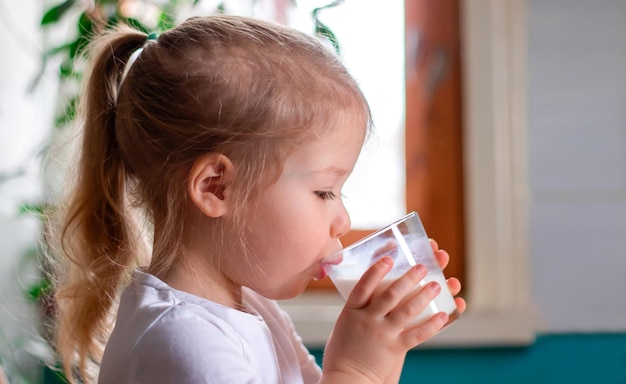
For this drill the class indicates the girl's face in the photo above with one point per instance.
(300, 218)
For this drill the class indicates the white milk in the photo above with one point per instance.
(443, 302)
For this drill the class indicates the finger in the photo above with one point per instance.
(461, 305)
(416, 335)
(387, 249)
(362, 292)
(442, 258)
(409, 309)
(397, 291)
(454, 285)
(434, 244)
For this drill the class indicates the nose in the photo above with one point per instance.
(341, 223)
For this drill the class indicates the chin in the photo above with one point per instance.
(284, 293)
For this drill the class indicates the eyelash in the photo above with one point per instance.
(326, 195)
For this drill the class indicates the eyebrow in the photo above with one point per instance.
(335, 170)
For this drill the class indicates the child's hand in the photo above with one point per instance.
(454, 285)
(373, 334)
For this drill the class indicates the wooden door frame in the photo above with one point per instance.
(434, 127)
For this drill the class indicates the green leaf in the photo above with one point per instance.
(85, 34)
(73, 47)
(54, 375)
(55, 13)
(166, 21)
(39, 289)
(31, 209)
(112, 21)
(136, 24)
(324, 31)
(82, 43)
(66, 69)
(68, 114)
(85, 26)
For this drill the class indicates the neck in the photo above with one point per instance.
(203, 280)
(197, 268)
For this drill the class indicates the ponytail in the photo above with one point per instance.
(97, 236)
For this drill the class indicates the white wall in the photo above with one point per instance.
(577, 144)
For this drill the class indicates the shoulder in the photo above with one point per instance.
(187, 326)
(187, 346)
(163, 335)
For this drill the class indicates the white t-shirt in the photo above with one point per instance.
(163, 335)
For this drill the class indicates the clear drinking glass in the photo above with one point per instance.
(406, 242)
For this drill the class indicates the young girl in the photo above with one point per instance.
(230, 140)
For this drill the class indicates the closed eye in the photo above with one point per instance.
(326, 195)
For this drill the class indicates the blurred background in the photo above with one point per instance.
(555, 100)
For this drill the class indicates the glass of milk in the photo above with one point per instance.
(406, 242)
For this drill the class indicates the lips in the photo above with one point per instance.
(322, 274)
(328, 262)
(333, 260)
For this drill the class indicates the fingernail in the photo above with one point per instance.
(435, 286)
(419, 268)
(387, 260)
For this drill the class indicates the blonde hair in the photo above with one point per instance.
(245, 88)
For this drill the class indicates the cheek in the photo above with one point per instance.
(267, 237)
(280, 248)
(279, 214)
(272, 240)
(283, 227)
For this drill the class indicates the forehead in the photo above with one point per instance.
(333, 151)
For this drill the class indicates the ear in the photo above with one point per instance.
(207, 183)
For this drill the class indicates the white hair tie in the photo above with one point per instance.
(129, 63)
(133, 57)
